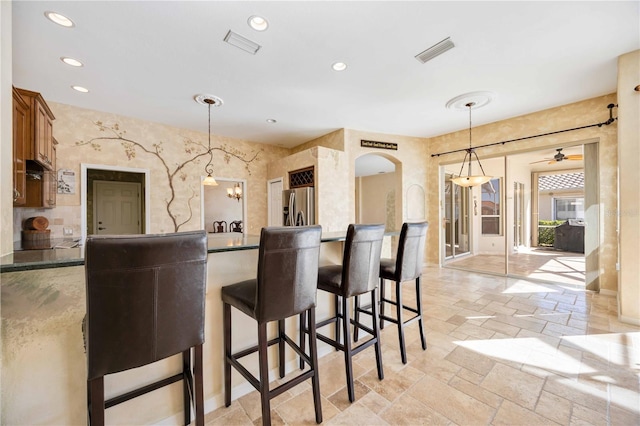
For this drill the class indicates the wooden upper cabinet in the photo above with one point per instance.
(39, 144)
(20, 137)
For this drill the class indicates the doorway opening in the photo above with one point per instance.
(116, 196)
(224, 207)
(529, 220)
(378, 191)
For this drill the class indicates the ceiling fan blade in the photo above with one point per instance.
(573, 157)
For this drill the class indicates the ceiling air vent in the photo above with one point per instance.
(241, 42)
(435, 50)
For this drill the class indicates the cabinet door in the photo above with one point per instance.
(20, 140)
(50, 181)
(43, 131)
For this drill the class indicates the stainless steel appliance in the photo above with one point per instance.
(298, 207)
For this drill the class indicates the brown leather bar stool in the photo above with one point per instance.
(145, 302)
(407, 266)
(285, 286)
(357, 275)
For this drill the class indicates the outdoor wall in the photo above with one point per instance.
(521, 173)
(578, 114)
(545, 200)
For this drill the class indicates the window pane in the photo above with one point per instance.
(491, 197)
(491, 225)
(491, 211)
(569, 208)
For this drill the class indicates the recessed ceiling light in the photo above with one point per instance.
(271, 120)
(339, 66)
(80, 89)
(71, 61)
(258, 23)
(59, 19)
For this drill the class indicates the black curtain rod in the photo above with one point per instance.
(604, 123)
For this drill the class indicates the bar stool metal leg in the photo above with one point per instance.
(376, 333)
(186, 386)
(347, 348)
(313, 351)
(399, 306)
(263, 345)
(226, 312)
(419, 309)
(382, 295)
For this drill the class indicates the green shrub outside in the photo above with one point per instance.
(546, 235)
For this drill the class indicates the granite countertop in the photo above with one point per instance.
(57, 258)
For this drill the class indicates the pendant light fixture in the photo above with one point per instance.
(469, 179)
(210, 101)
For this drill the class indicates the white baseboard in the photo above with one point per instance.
(629, 320)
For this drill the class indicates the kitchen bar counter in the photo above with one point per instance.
(43, 304)
(26, 260)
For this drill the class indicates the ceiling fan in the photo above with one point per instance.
(560, 157)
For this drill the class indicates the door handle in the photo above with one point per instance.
(100, 228)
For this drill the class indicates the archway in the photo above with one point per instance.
(378, 190)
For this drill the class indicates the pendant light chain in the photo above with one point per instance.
(470, 180)
(209, 166)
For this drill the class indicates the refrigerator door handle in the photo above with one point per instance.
(292, 203)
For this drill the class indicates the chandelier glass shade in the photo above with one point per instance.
(469, 179)
(235, 192)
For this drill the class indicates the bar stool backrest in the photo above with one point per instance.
(361, 259)
(287, 276)
(145, 298)
(411, 251)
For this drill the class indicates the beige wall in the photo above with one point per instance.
(333, 140)
(6, 133)
(568, 116)
(331, 171)
(74, 124)
(628, 209)
(377, 196)
(410, 174)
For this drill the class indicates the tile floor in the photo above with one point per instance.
(537, 264)
(501, 351)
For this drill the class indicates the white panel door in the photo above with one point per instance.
(275, 202)
(117, 208)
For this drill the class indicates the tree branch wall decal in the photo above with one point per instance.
(195, 150)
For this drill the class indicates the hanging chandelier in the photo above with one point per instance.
(210, 101)
(235, 192)
(469, 179)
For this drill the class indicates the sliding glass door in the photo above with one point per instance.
(536, 218)
(456, 218)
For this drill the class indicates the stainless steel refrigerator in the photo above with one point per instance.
(298, 207)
